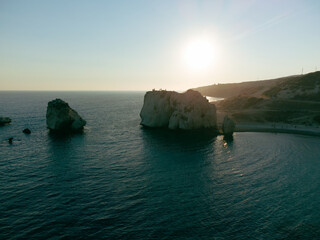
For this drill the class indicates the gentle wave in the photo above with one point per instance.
(121, 181)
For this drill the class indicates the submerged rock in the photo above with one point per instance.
(228, 126)
(61, 117)
(189, 110)
(26, 131)
(4, 120)
(10, 140)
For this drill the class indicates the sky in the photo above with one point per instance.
(142, 44)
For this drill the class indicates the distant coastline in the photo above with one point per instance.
(278, 128)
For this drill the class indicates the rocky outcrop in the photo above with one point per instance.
(189, 110)
(61, 117)
(228, 126)
(26, 131)
(4, 120)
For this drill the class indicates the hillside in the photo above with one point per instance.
(285, 87)
(293, 100)
(303, 88)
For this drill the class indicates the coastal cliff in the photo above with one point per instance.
(189, 110)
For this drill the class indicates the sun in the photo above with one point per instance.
(199, 54)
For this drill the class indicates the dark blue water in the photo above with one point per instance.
(120, 181)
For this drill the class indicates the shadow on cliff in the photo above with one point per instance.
(179, 140)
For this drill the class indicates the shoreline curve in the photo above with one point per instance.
(278, 128)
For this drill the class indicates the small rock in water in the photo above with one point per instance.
(228, 126)
(4, 120)
(10, 140)
(26, 131)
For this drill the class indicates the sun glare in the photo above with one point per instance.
(199, 55)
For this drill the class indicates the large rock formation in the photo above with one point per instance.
(189, 110)
(228, 126)
(61, 117)
(4, 120)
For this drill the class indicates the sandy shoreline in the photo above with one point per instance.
(277, 128)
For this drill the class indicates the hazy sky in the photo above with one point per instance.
(140, 45)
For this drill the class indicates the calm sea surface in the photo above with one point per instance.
(120, 181)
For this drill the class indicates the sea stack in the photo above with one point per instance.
(228, 126)
(62, 118)
(169, 109)
(4, 120)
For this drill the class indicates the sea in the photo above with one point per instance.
(118, 180)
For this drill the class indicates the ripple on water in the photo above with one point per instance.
(121, 181)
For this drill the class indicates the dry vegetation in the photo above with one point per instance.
(293, 100)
